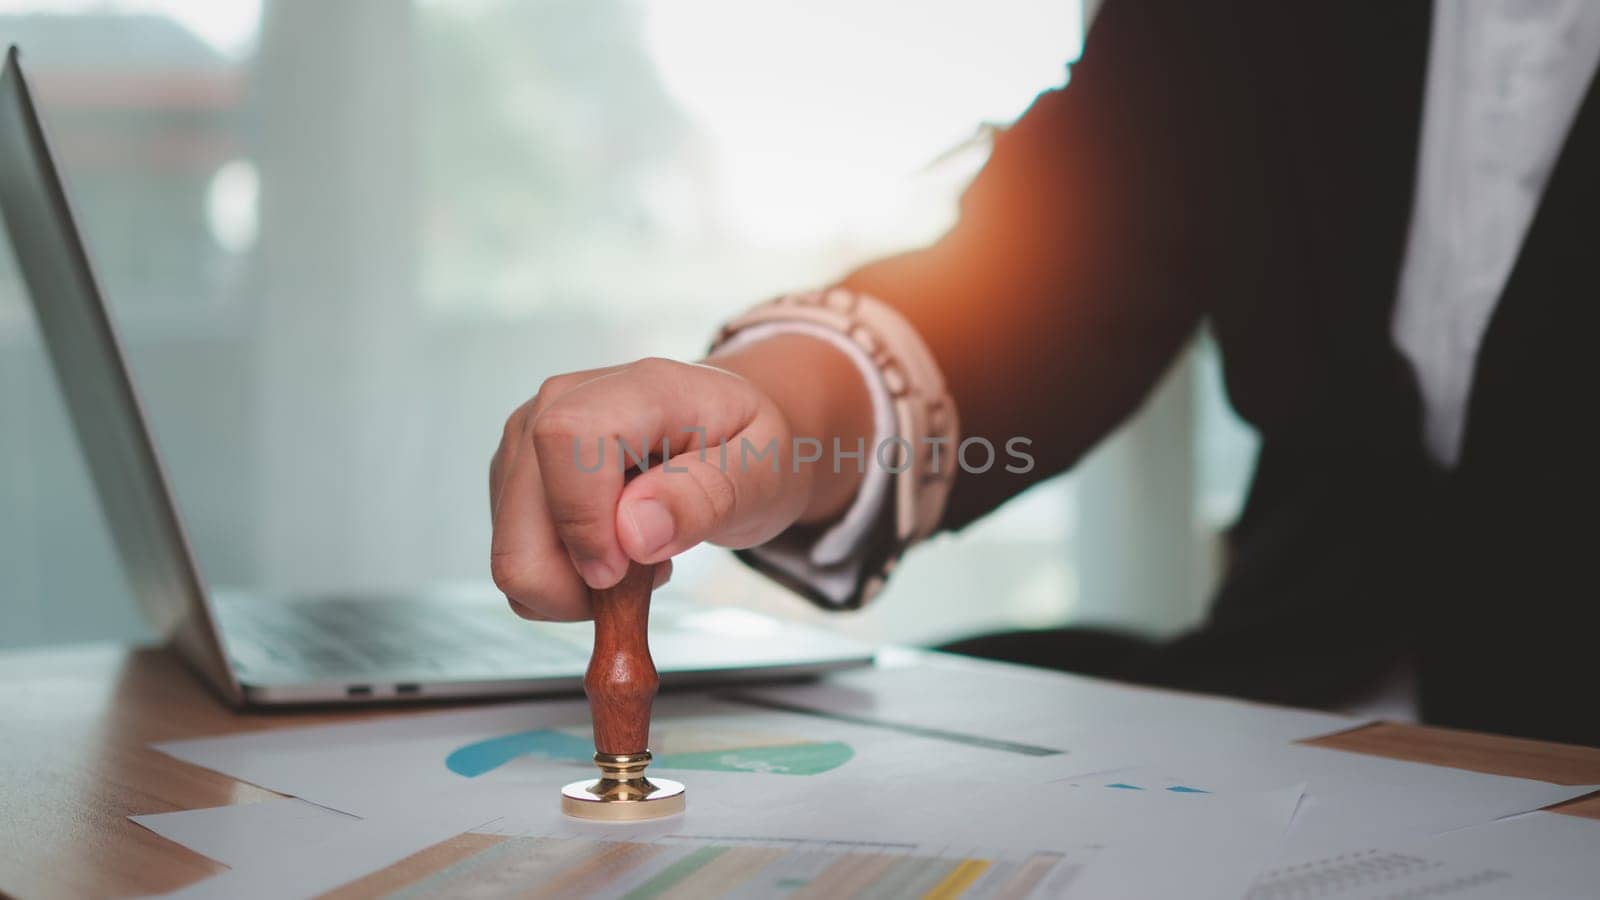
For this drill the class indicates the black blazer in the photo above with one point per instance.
(1249, 167)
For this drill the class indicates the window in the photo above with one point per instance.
(344, 240)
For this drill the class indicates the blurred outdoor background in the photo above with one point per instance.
(342, 241)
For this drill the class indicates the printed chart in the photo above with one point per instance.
(686, 866)
(1379, 874)
(675, 747)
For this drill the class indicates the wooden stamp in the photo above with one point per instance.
(621, 684)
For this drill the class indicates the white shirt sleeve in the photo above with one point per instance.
(827, 563)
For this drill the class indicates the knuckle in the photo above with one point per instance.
(655, 367)
(511, 575)
(523, 611)
(550, 599)
(513, 428)
(558, 423)
(551, 389)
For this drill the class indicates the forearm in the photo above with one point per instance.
(1082, 258)
(823, 396)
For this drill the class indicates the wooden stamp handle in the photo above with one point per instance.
(621, 682)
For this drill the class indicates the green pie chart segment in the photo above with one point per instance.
(783, 759)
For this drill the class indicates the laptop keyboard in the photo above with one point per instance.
(430, 637)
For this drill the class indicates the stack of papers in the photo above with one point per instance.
(945, 778)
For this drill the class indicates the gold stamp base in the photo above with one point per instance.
(599, 801)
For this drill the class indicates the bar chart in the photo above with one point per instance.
(709, 866)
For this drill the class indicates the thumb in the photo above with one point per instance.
(734, 495)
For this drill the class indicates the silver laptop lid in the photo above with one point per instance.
(104, 408)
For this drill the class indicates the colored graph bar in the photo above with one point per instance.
(674, 874)
(541, 867)
(960, 878)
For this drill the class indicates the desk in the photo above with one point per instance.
(75, 762)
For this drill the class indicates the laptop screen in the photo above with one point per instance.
(89, 365)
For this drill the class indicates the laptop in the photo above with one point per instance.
(261, 650)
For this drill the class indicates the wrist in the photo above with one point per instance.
(871, 517)
(823, 398)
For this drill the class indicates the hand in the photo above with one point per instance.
(566, 519)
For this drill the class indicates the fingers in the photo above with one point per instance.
(526, 558)
(557, 479)
(584, 438)
(581, 486)
(737, 495)
(505, 455)
(663, 574)
(516, 432)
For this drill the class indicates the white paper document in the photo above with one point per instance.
(1206, 846)
(947, 778)
(754, 773)
(1538, 856)
(1063, 839)
(297, 867)
(1050, 708)
(249, 833)
(1356, 802)
(349, 767)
